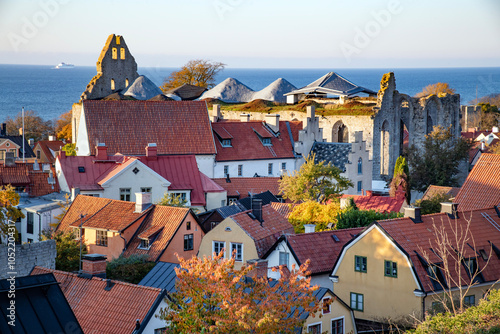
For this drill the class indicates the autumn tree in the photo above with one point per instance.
(213, 297)
(401, 179)
(318, 182)
(67, 248)
(324, 216)
(34, 126)
(437, 161)
(9, 199)
(69, 149)
(439, 89)
(63, 126)
(198, 72)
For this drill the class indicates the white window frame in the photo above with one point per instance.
(329, 306)
(140, 244)
(226, 170)
(223, 246)
(270, 168)
(336, 319)
(231, 246)
(288, 258)
(315, 324)
(240, 170)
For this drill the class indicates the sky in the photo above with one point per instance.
(256, 33)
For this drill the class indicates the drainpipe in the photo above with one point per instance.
(124, 242)
(423, 306)
(39, 226)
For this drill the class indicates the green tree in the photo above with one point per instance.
(433, 204)
(437, 162)
(352, 217)
(130, 269)
(401, 179)
(312, 212)
(70, 149)
(439, 89)
(67, 248)
(169, 199)
(198, 72)
(34, 126)
(9, 199)
(314, 182)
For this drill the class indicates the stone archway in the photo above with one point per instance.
(340, 133)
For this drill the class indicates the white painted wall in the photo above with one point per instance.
(41, 222)
(154, 322)
(82, 139)
(216, 200)
(250, 167)
(63, 184)
(206, 164)
(273, 260)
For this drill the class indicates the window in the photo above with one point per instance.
(112, 84)
(266, 141)
(188, 225)
(182, 196)
(270, 169)
(223, 202)
(146, 190)
(360, 166)
(360, 186)
(283, 166)
(338, 326)
(2, 154)
(14, 151)
(391, 269)
(101, 238)
(29, 240)
(126, 82)
(237, 250)
(360, 263)
(76, 232)
(122, 53)
(471, 266)
(326, 305)
(226, 142)
(144, 244)
(188, 242)
(81, 169)
(118, 40)
(226, 170)
(38, 154)
(470, 300)
(30, 223)
(125, 194)
(161, 330)
(114, 53)
(219, 246)
(240, 170)
(284, 258)
(314, 329)
(357, 301)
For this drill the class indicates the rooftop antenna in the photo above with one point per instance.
(23, 134)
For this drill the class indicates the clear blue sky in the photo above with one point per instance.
(256, 33)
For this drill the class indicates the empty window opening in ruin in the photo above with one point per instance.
(384, 148)
(122, 53)
(112, 84)
(430, 125)
(114, 53)
(126, 82)
(340, 133)
(404, 138)
(118, 40)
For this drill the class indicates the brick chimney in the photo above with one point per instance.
(151, 151)
(260, 269)
(273, 121)
(257, 209)
(101, 152)
(94, 265)
(244, 117)
(142, 201)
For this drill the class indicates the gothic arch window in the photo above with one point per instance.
(384, 148)
(404, 137)
(430, 125)
(112, 84)
(114, 53)
(126, 82)
(122, 53)
(360, 166)
(340, 133)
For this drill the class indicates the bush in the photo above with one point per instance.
(351, 217)
(129, 269)
(433, 204)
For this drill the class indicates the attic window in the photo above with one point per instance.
(335, 238)
(81, 169)
(144, 244)
(118, 40)
(226, 142)
(266, 141)
(135, 170)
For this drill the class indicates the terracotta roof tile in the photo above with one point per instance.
(35, 181)
(101, 311)
(436, 190)
(382, 204)
(283, 209)
(126, 127)
(15, 175)
(481, 189)
(265, 235)
(82, 205)
(242, 186)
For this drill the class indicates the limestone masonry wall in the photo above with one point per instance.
(27, 256)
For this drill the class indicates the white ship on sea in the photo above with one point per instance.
(64, 65)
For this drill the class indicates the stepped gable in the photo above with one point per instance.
(126, 127)
(142, 89)
(116, 69)
(230, 90)
(275, 91)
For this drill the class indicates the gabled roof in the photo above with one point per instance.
(384, 204)
(101, 310)
(126, 127)
(162, 276)
(481, 189)
(161, 220)
(18, 140)
(50, 148)
(266, 233)
(243, 186)
(439, 190)
(332, 83)
(267, 198)
(335, 153)
(246, 141)
(40, 306)
(35, 181)
(187, 91)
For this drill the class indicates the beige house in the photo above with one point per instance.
(248, 234)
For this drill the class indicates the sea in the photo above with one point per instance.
(51, 92)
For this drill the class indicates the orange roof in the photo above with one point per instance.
(36, 181)
(82, 205)
(101, 311)
(162, 219)
(481, 189)
(126, 127)
(49, 146)
(438, 190)
(382, 204)
(242, 186)
(266, 233)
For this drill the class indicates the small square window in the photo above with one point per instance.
(144, 244)
(81, 169)
(135, 170)
(188, 242)
(226, 142)
(101, 238)
(283, 166)
(360, 263)
(390, 269)
(146, 190)
(470, 300)
(188, 225)
(125, 194)
(266, 141)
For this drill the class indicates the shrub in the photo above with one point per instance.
(129, 269)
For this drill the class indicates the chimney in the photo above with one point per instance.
(215, 115)
(369, 193)
(109, 285)
(52, 138)
(311, 112)
(3, 131)
(450, 208)
(74, 192)
(94, 265)
(137, 324)
(414, 214)
(257, 209)
(273, 121)
(142, 201)
(483, 145)
(101, 152)
(151, 151)
(494, 129)
(244, 117)
(309, 228)
(31, 142)
(260, 269)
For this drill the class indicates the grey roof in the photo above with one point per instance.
(40, 307)
(142, 89)
(266, 197)
(230, 210)
(336, 153)
(332, 83)
(19, 141)
(187, 91)
(162, 276)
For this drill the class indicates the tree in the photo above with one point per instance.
(439, 89)
(213, 297)
(130, 269)
(495, 149)
(198, 72)
(437, 162)
(64, 207)
(169, 199)
(34, 126)
(312, 212)
(9, 199)
(70, 149)
(67, 248)
(63, 126)
(401, 179)
(314, 182)
(353, 217)
(433, 204)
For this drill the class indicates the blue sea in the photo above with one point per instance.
(51, 92)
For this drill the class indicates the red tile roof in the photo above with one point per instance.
(164, 220)
(15, 175)
(82, 205)
(210, 185)
(382, 204)
(481, 189)
(437, 190)
(245, 142)
(35, 181)
(265, 235)
(101, 311)
(49, 146)
(421, 237)
(126, 127)
(241, 186)
(283, 209)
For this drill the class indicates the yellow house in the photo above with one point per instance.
(394, 269)
(248, 234)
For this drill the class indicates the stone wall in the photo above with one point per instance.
(27, 256)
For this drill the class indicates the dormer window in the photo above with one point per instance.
(144, 244)
(226, 142)
(266, 141)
